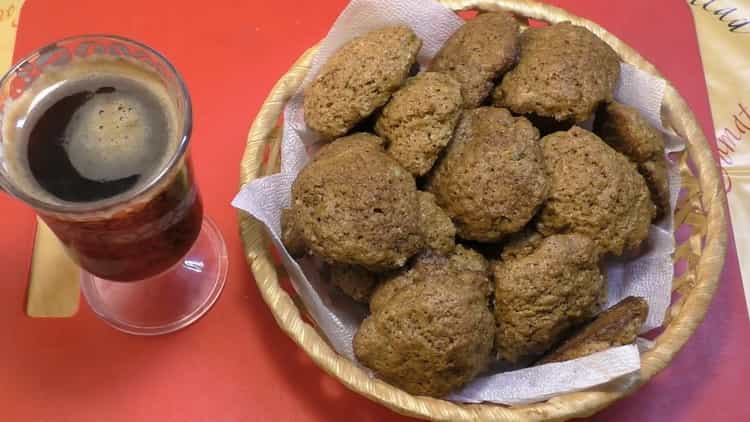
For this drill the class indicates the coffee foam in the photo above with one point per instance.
(117, 119)
(110, 136)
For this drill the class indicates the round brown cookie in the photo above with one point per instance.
(541, 295)
(367, 142)
(419, 120)
(521, 244)
(354, 281)
(461, 260)
(479, 53)
(359, 78)
(617, 326)
(564, 72)
(627, 131)
(595, 191)
(358, 206)
(656, 174)
(291, 236)
(491, 179)
(438, 230)
(434, 333)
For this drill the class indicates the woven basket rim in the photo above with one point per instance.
(677, 116)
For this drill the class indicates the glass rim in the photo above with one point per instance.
(105, 204)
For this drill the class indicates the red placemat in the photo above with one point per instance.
(235, 364)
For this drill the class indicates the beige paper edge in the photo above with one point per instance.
(9, 12)
(723, 28)
(54, 288)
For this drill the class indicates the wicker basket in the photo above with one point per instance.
(699, 257)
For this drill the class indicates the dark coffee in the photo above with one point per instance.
(99, 136)
(81, 129)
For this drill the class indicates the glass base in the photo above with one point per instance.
(169, 301)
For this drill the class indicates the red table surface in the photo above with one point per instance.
(235, 364)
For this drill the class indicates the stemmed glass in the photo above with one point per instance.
(152, 263)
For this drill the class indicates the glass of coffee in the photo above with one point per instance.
(94, 134)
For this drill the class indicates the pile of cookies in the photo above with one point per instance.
(466, 205)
